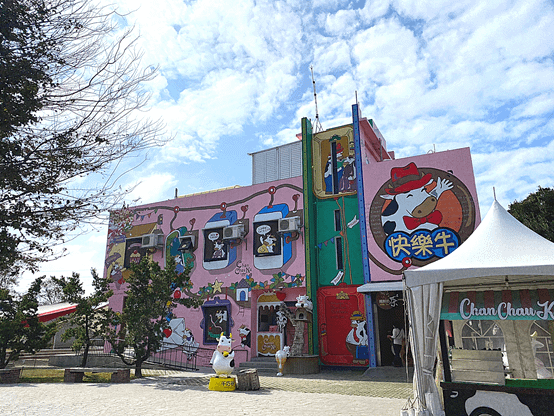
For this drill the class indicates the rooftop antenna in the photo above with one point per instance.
(317, 127)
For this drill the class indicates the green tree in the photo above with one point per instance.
(70, 95)
(91, 315)
(20, 329)
(148, 301)
(536, 212)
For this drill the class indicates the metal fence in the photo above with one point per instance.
(172, 356)
(184, 357)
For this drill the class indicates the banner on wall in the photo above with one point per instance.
(537, 304)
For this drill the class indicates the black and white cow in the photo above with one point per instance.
(414, 210)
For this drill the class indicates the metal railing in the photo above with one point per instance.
(172, 356)
(185, 357)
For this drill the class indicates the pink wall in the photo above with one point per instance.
(216, 277)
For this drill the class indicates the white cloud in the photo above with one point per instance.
(152, 188)
(537, 106)
(341, 23)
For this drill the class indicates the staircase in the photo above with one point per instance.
(264, 365)
(42, 357)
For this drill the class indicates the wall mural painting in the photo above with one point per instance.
(272, 250)
(342, 326)
(216, 319)
(218, 252)
(421, 214)
(245, 336)
(124, 244)
(334, 163)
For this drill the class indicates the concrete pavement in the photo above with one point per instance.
(379, 392)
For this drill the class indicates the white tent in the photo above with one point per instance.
(501, 252)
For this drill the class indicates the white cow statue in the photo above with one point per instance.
(281, 357)
(222, 360)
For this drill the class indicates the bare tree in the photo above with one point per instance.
(50, 292)
(77, 79)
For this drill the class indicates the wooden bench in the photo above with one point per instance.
(75, 375)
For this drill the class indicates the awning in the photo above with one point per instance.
(381, 287)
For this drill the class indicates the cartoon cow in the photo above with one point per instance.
(245, 336)
(302, 301)
(222, 360)
(411, 206)
(190, 346)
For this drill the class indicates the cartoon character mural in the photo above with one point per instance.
(420, 213)
(245, 336)
(412, 207)
(190, 346)
(357, 339)
(272, 249)
(343, 335)
(334, 162)
(175, 334)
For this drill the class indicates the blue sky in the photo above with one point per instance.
(234, 78)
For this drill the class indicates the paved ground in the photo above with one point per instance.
(378, 392)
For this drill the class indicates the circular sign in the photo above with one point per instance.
(425, 218)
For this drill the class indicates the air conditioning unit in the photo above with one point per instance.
(289, 224)
(233, 232)
(152, 241)
(186, 243)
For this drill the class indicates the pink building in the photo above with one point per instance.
(247, 252)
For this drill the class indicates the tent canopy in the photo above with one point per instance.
(501, 251)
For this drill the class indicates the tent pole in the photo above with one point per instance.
(444, 353)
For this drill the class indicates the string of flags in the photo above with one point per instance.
(341, 234)
(137, 216)
(332, 240)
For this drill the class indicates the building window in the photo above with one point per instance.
(338, 250)
(338, 224)
(541, 341)
(482, 335)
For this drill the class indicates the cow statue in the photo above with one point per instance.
(302, 301)
(281, 357)
(222, 360)
(411, 206)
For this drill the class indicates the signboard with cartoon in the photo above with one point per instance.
(421, 209)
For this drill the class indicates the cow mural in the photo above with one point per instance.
(418, 215)
(412, 206)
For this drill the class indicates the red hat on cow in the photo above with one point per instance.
(406, 179)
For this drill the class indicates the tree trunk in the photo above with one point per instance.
(87, 344)
(85, 356)
(138, 369)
